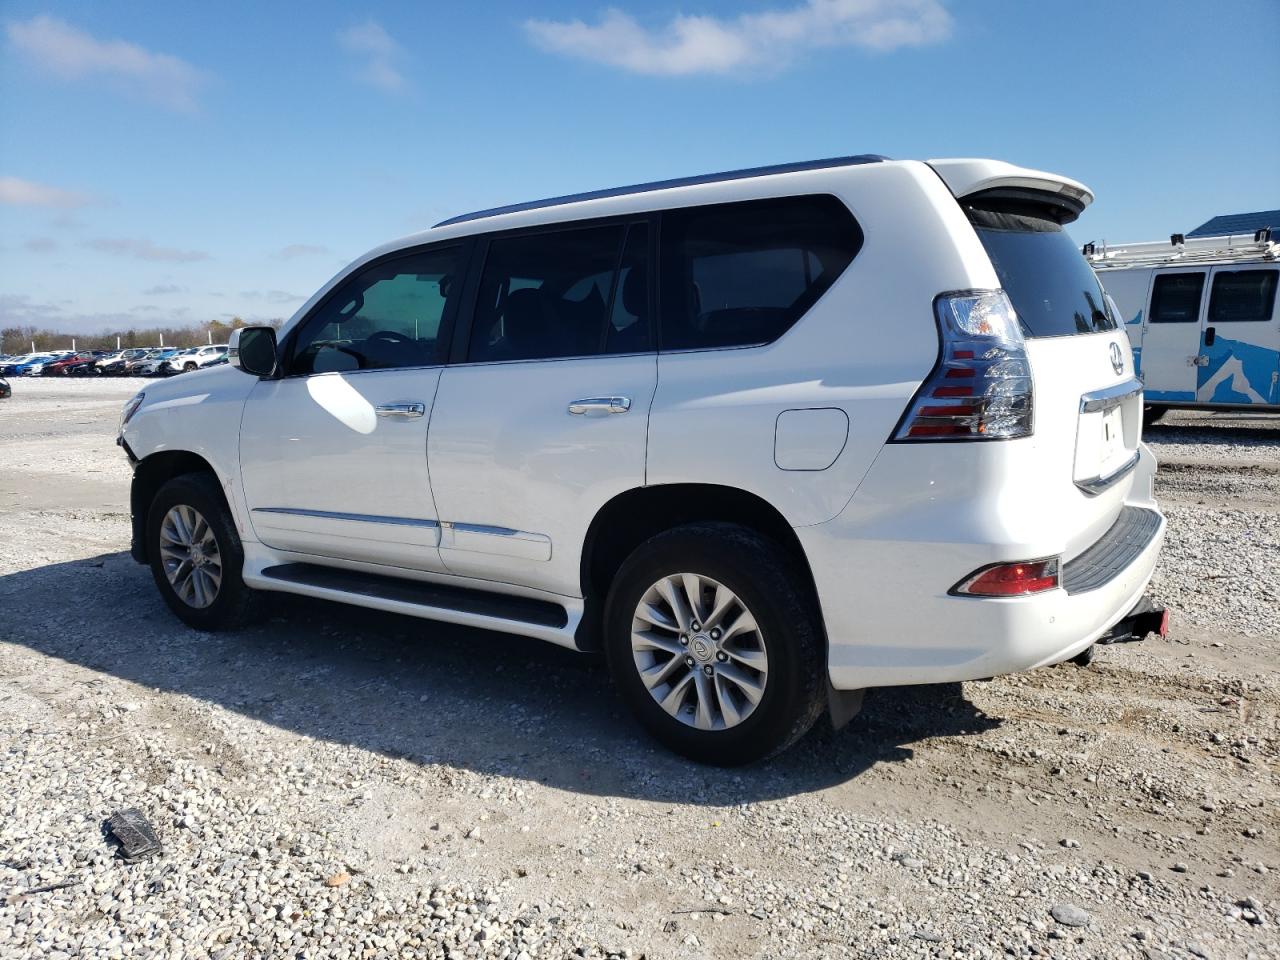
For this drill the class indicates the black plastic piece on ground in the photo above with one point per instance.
(137, 838)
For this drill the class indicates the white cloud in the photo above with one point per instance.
(41, 244)
(381, 55)
(163, 289)
(705, 44)
(27, 193)
(142, 249)
(72, 54)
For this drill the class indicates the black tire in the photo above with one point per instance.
(1152, 415)
(771, 585)
(188, 366)
(235, 604)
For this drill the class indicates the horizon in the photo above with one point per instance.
(160, 168)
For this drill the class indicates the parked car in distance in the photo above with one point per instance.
(87, 367)
(34, 364)
(883, 430)
(155, 363)
(62, 367)
(197, 357)
(10, 363)
(114, 364)
(133, 368)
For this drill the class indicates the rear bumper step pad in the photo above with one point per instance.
(1133, 530)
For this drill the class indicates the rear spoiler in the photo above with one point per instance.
(995, 179)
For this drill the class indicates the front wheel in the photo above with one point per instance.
(196, 556)
(714, 642)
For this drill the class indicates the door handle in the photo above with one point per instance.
(1210, 334)
(401, 411)
(599, 406)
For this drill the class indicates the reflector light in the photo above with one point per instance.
(1012, 579)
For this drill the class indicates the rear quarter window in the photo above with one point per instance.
(741, 274)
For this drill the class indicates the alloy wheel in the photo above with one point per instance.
(190, 555)
(699, 651)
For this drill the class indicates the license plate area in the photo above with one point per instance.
(1107, 436)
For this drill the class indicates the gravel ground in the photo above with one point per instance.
(334, 783)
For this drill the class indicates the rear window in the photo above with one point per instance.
(1048, 280)
(1241, 296)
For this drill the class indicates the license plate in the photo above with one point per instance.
(1112, 436)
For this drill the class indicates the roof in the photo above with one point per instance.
(668, 184)
(1230, 223)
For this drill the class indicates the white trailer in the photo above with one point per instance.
(1201, 316)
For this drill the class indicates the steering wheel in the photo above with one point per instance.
(391, 336)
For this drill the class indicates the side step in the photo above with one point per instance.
(432, 601)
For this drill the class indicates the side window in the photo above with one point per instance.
(551, 294)
(384, 317)
(1242, 295)
(1175, 297)
(737, 274)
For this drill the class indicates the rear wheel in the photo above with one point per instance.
(196, 556)
(189, 366)
(713, 642)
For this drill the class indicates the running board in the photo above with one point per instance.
(527, 616)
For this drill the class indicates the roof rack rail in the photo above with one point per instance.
(1230, 248)
(743, 174)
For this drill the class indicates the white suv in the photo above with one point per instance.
(768, 438)
(196, 357)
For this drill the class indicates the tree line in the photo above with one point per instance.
(18, 339)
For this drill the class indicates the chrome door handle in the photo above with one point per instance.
(599, 406)
(401, 411)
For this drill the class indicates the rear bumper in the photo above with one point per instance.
(885, 629)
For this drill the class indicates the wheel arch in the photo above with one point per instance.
(632, 517)
(152, 473)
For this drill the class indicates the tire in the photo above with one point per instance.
(188, 366)
(1152, 415)
(233, 604)
(767, 582)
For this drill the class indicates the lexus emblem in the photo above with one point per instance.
(1117, 358)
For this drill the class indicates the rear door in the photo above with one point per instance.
(541, 418)
(334, 453)
(1241, 340)
(1171, 338)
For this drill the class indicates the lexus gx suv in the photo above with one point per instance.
(766, 438)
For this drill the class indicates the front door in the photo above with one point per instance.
(543, 418)
(334, 452)
(1241, 343)
(1171, 336)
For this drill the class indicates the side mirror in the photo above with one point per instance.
(253, 350)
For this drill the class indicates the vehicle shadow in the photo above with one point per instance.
(436, 693)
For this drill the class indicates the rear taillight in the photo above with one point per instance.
(1011, 579)
(981, 386)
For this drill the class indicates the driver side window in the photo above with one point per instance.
(385, 317)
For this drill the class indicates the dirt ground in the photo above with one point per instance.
(421, 760)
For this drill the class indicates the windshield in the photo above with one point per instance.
(1048, 280)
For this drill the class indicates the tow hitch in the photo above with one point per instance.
(1144, 619)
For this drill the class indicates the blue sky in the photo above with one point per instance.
(176, 163)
